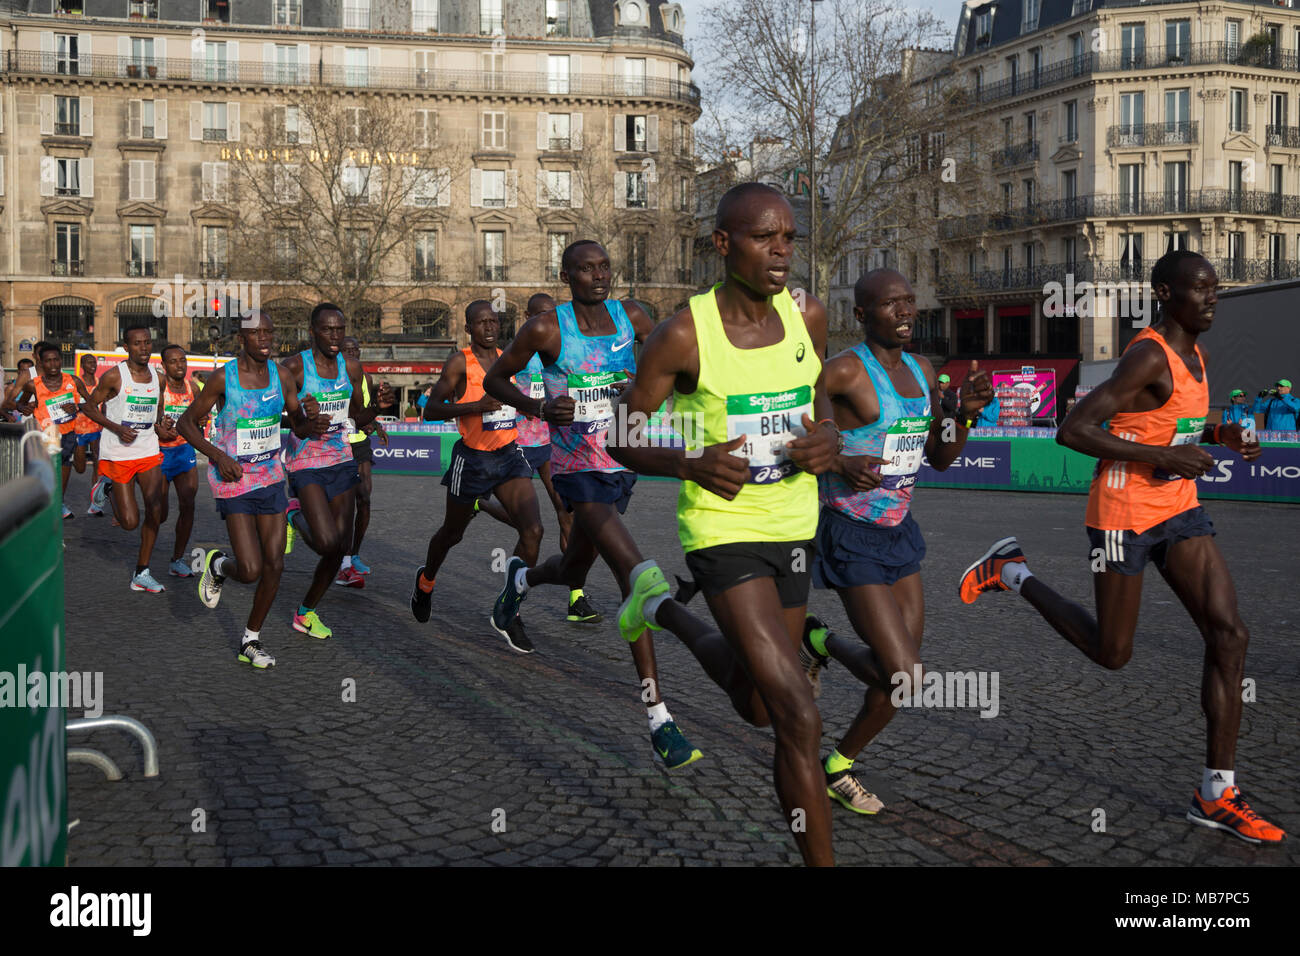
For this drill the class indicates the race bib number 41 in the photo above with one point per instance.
(257, 439)
(141, 412)
(768, 420)
(593, 397)
(904, 446)
(1188, 431)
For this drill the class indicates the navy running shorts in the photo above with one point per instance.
(270, 500)
(334, 479)
(603, 487)
(1127, 552)
(177, 460)
(851, 553)
(473, 474)
(537, 455)
(723, 566)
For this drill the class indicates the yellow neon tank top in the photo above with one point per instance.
(762, 393)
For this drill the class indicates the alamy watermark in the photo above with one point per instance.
(71, 690)
(1123, 300)
(194, 299)
(943, 690)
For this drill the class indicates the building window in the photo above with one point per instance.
(1130, 255)
(1133, 46)
(1232, 36)
(1071, 121)
(356, 183)
(1275, 179)
(67, 249)
(636, 190)
(1237, 112)
(356, 14)
(216, 244)
(558, 128)
(1277, 111)
(216, 66)
(286, 250)
(1069, 247)
(494, 256)
(1236, 180)
(494, 187)
(287, 183)
(556, 243)
(288, 13)
(634, 76)
(356, 120)
(424, 16)
(490, 17)
(286, 63)
(356, 66)
(67, 115)
(557, 74)
(142, 54)
(214, 122)
(69, 177)
(216, 182)
(142, 116)
(1178, 35)
(1175, 187)
(494, 130)
(1132, 114)
(983, 25)
(144, 260)
(494, 65)
(1130, 187)
(291, 124)
(1030, 193)
(141, 184)
(426, 255)
(637, 266)
(218, 10)
(1077, 56)
(558, 187)
(636, 134)
(1177, 240)
(557, 18)
(426, 128)
(1029, 23)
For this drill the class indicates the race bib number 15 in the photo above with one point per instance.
(593, 396)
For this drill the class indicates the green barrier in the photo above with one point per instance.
(33, 830)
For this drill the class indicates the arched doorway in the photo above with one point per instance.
(69, 322)
(423, 320)
(138, 310)
(292, 318)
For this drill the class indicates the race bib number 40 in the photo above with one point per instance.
(593, 396)
(904, 447)
(1188, 431)
(257, 439)
(335, 405)
(768, 420)
(141, 412)
(60, 408)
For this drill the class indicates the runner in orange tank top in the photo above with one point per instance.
(1143, 507)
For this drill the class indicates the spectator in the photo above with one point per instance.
(412, 412)
(1278, 406)
(1238, 411)
(947, 397)
(989, 414)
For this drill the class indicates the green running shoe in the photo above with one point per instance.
(672, 746)
(647, 582)
(310, 624)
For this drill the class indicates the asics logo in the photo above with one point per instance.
(798, 356)
(624, 344)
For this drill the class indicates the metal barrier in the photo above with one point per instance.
(116, 722)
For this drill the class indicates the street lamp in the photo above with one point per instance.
(812, 154)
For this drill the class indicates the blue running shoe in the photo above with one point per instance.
(672, 746)
(359, 566)
(180, 568)
(99, 494)
(144, 582)
(506, 608)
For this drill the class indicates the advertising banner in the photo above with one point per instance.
(411, 453)
(1025, 394)
(982, 464)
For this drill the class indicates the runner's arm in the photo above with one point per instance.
(108, 387)
(363, 415)
(190, 426)
(539, 336)
(816, 451)
(23, 395)
(441, 406)
(305, 419)
(854, 403)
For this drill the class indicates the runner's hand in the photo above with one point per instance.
(717, 470)
(815, 452)
(1186, 461)
(559, 411)
(976, 391)
(488, 404)
(125, 435)
(383, 435)
(621, 385)
(1233, 438)
(310, 407)
(228, 468)
(26, 408)
(862, 472)
(384, 396)
(166, 429)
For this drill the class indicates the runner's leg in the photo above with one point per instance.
(522, 513)
(270, 534)
(460, 512)
(1106, 639)
(364, 490)
(187, 489)
(561, 513)
(325, 520)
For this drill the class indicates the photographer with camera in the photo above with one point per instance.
(1278, 406)
(1238, 411)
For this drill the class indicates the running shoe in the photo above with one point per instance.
(844, 788)
(210, 581)
(310, 624)
(252, 652)
(581, 611)
(290, 535)
(1231, 812)
(360, 566)
(99, 494)
(514, 635)
(67, 512)
(347, 578)
(672, 746)
(144, 582)
(97, 512)
(986, 573)
(507, 603)
(810, 659)
(647, 582)
(180, 568)
(421, 600)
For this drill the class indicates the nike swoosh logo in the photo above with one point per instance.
(615, 348)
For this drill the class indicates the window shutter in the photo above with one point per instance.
(232, 61)
(196, 120)
(543, 195)
(133, 123)
(651, 192)
(277, 124)
(123, 54)
(543, 130)
(85, 46)
(410, 185)
(198, 51)
(207, 178)
(444, 186)
(47, 51)
(87, 175)
(304, 127)
(304, 63)
(150, 180)
(620, 132)
(476, 187)
(47, 114)
(87, 116)
(49, 175)
(375, 186)
(2, 175)
(372, 66)
(268, 62)
(232, 122)
(575, 130)
(159, 119)
(222, 181)
(652, 133)
(575, 190)
(512, 188)
(160, 56)
(133, 179)
(620, 190)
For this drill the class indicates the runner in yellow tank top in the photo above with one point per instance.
(1155, 402)
(746, 365)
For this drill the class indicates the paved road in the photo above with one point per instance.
(451, 733)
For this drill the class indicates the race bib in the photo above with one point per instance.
(904, 447)
(257, 439)
(335, 405)
(593, 396)
(1188, 431)
(59, 408)
(174, 412)
(768, 420)
(141, 412)
(537, 389)
(501, 419)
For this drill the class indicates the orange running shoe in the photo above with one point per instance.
(986, 573)
(1231, 812)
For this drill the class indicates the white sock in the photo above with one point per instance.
(651, 607)
(219, 565)
(1214, 782)
(250, 636)
(347, 562)
(521, 581)
(1015, 573)
(658, 714)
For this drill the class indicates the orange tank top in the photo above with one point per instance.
(490, 430)
(1132, 495)
(84, 425)
(174, 405)
(52, 404)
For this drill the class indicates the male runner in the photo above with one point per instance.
(26, 370)
(53, 397)
(743, 368)
(245, 471)
(1142, 507)
(179, 467)
(364, 456)
(486, 460)
(322, 473)
(127, 405)
(869, 547)
(87, 431)
(535, 440)
(586, 350)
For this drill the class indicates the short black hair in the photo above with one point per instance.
(536, 297)
(162, 353)
(321, 309)
(351, 340)
(126, 333)
(1169, 265)
(862, 288)
(735, 198)
(566, 258)
(88, 355)
(28, 361)
(473, 306)
(47, 347)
